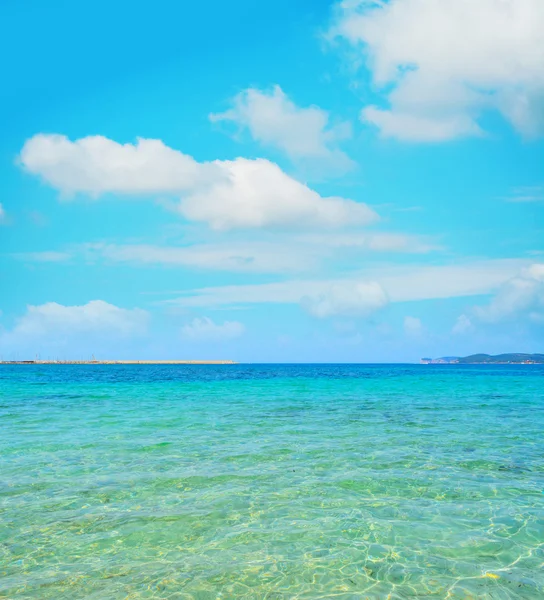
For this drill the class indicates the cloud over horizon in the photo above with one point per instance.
(52, 326)
(94, 316)
(203, 329)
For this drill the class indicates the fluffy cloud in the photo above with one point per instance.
(55, 330)
(257, 194)
(204, 329)
(96, 316)
(224, 194)
(520, 297)
(274, 120)
(356, 299)
(96, 165)
(446, 62)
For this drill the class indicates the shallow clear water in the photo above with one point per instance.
(271, 482)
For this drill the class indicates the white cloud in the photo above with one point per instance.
(79, 330)
(2, 214)
(447, 62)
(274, 120)
(204, 329)
(520, 297)
(350, 299)
(55, 330)
(224, 194)
(462, 325)
(96, 316)
(404, 284)
(258, 194)
(96, 165)
(412, 326)
(401, 284)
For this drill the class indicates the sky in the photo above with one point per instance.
(287, 181)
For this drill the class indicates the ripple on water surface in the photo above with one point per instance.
(271, 482)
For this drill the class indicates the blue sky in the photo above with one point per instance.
(287, 181)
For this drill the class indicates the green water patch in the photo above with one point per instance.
(264, 482)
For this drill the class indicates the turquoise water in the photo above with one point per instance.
(207, 482)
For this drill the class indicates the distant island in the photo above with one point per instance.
(486, 359)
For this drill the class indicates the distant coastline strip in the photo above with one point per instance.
(117, 362)
(486, 359)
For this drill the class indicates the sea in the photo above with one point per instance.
(271, 482)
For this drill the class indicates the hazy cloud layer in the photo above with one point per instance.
(346, 299)
(400, 284)
(203, 329)
(275, 253)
